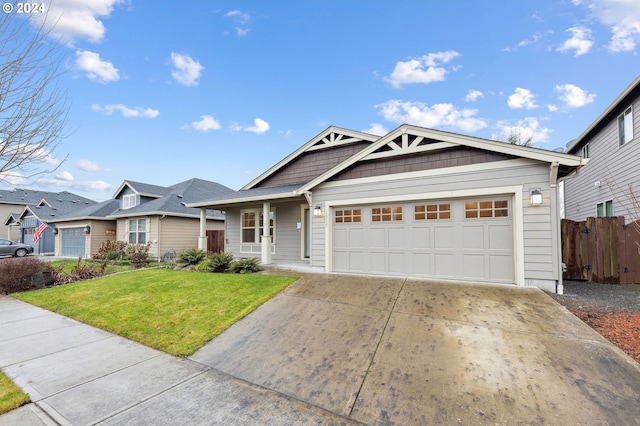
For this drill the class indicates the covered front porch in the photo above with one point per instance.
(272, 224)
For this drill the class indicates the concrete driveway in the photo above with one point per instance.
(401, 351)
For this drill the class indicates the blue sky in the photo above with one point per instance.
(163, 91)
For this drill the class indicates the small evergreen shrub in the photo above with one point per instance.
(203, 266)
(190, 257)
(245, 266)
(16, 273)
(138, 255)
(220, 262)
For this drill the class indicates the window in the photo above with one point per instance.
(486, 209)
(251, 226)
(386, 214)
(348, 216)
(604, 209)
(128, 201)
(432, 211)
(585, 151)
(625, 126)
(137, 231)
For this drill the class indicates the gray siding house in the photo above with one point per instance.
(416, 202)
(141, 213)
(604, 186)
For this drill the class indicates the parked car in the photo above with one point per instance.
(10, 248)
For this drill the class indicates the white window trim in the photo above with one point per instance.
(625, 126)
(604, 208)
(127, 202)
(256, 247)
(146, 231)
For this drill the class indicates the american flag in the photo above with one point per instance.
(40, 228)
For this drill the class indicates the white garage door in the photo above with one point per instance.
(469, 240)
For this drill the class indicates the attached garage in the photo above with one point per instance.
(457, 239)
(73, 242)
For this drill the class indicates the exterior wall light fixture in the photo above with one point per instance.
(536, 197)
(317, 210)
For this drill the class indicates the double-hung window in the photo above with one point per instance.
(251, 230)
(129, 201)
(138, 231)
(625, 126)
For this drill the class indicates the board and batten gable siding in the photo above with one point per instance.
(288, 236)
(449, 157)
(614, 166)
(310, 165)
(539, 232)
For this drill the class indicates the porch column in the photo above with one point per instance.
(202, 239)
(266, 238)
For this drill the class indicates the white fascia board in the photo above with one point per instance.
(305, 147)
(267, 197)
(605, 113)
(124, 216)
(73, 219)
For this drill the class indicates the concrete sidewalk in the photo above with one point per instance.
(76, 374)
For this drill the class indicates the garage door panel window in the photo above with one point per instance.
(386, 214)
(432, 211)
(348, 216)
(486, 209)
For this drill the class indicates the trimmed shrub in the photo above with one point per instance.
(245, 266)
(16, 273)
(220, 262)
(138, 255)
(191, 257)
(111, 250)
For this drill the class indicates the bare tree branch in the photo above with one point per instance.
(33, 108)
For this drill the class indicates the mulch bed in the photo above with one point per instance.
(620, 328)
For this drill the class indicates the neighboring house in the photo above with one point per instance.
(141, 213)
(612, 145)
(416, 202)
(21, 226)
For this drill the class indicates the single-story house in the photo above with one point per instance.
(46, 211)
(415, 202)
(141, 213)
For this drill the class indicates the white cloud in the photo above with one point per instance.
(13, 179)
(623, 19)
(186, 70)
(126, 111)
(71, 20)
(552, 107)
(530, 127)
(473, 95)
(522, 98)
(425, 69)
(206, 123)
(438, 115)
(580, 41)
(238, 16)
(65, 175)
(376, 129)
(95, 67)
(573, 96)
(90, 166)
(259, 127)
(61, 182)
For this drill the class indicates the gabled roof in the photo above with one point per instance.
(331, 137)
(95, 211)
(50, 211)
(248, 195)
(621, 101)
(176, 198)
(142, 189)
(12, 218)
(430, 139)
(33, 197)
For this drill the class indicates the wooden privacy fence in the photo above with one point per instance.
(601, 249)
(215, 241)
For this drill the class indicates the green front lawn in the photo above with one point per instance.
(11, 396)
(174, 311)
